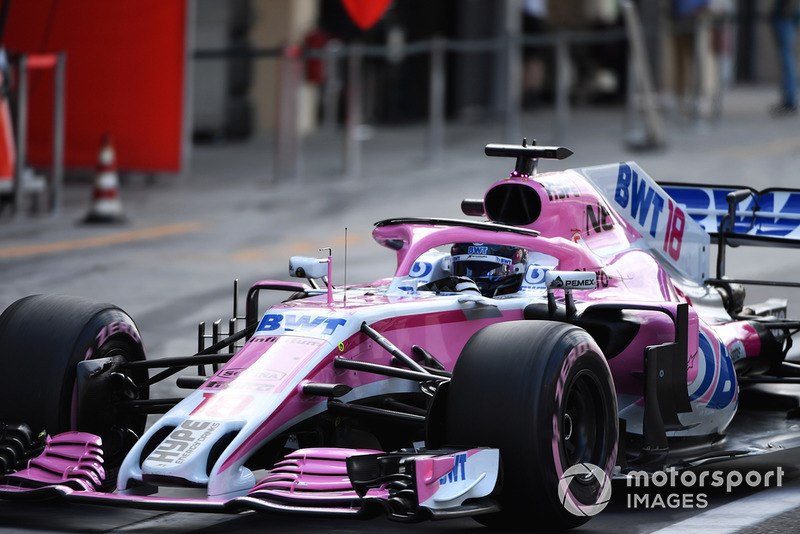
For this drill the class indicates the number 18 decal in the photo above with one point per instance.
(674, 236)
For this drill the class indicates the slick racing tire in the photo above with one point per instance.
(42, 339)
(542, 393)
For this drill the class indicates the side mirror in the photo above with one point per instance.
(303, 267)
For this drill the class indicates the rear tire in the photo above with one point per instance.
(42, 339)
(542, 393)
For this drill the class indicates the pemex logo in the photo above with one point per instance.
(584, 474)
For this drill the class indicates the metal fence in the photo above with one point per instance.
(25, 183)
(643, 121)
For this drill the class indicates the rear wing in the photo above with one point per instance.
(735, 216)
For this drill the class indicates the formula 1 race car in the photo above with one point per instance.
(513, 365)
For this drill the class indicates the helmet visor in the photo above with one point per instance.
(482, 266)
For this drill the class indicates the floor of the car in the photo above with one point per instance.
(767, 420)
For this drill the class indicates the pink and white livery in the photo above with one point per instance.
(571, 328)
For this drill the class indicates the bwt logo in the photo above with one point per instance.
(478, 250)
(459, 471)
(643, 202)
(290, 322)
(535, 275)
(420, 269)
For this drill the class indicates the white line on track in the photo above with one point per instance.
(739, 514)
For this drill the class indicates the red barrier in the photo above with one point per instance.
(125, 75)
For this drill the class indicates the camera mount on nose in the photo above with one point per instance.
(527, 156)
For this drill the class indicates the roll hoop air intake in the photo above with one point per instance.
(511, 202)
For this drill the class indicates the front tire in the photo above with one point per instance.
(42, 339)
(542, 393)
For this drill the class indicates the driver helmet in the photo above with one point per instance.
(496, 269)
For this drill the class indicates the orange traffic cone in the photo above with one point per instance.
(106, 204)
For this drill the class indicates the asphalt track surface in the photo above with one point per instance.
(172, 265)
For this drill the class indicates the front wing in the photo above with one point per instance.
(404, 485)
